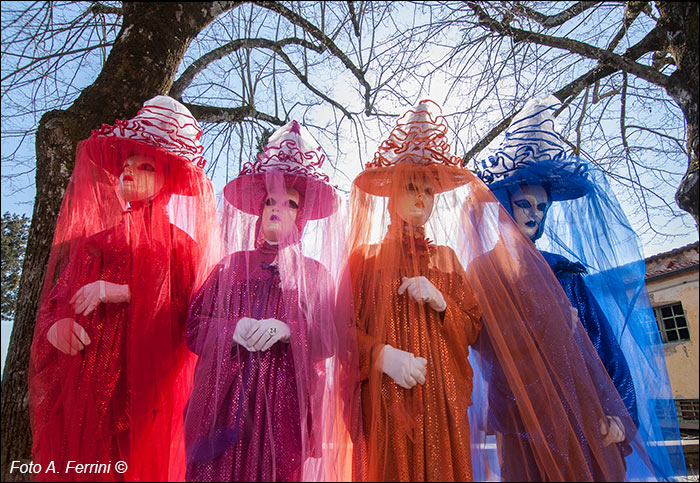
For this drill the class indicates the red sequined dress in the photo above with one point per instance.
(115, 400)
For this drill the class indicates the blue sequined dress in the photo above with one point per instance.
(570, 276)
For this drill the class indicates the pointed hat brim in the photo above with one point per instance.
(379, 181)
(248, 193)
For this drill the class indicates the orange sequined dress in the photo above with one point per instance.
(420, 433)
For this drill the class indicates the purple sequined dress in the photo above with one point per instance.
(243, 419)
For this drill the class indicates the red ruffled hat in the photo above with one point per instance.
(293, 153)
(419, 142)
(162, 126)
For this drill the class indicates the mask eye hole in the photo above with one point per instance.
(147, 167)
(292, 204)
(270, 202)
(411, 187)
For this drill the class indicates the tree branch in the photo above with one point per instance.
(597, 97)
(230, 114)
(681, 146)
(623, 114)
(354, 19)
(326, 41)
(586, 50)
(632, 11)
(580, 122)
(486, 140)
(304, 80)
(209, 58)
(36, 60)
(99, 8)
(549, 21)
(653, 41)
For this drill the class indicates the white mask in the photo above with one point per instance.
(529, 205)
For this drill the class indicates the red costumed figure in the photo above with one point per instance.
(109, 371)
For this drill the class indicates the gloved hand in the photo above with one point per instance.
(68, 336)
(244, 328)
(423, 291)
(89, 296)
(260, 335)
(403, 367)
(267, 333)
(613, 432)
(573, 319)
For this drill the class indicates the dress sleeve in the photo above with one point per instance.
(360, 269)
(462, 316)
(183, 266)
(57, 305)
(72, 276)
(202, 311)
(322, 334)
(603, 338)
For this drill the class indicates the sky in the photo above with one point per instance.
(22, 203)
(351, 158)
(18, 193)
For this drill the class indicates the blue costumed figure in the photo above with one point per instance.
(564, 203)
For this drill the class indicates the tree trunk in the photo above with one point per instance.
(680, 21)
(142, 64)
(51, 179)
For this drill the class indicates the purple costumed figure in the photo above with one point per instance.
(265, 404)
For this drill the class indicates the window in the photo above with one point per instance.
(688, 410)
(666, 409)
(672, 323)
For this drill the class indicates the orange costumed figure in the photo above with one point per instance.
(437, 265)
(416, 314)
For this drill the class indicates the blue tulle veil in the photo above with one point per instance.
(586, 224)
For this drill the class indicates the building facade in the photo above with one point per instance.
(672, 283)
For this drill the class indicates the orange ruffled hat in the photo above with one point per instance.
(419, 142)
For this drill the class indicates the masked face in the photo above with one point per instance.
(414, 204)
(279, 215)
(529, 205)
(140, 179)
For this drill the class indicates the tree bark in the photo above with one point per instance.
(142, 64)
(680, 22)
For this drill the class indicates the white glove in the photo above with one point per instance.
(89, 296)
(68, 336)
(260, 335)
(423, 291)
(403, 367)
(613, 432)
(244, 327)
(573, 320)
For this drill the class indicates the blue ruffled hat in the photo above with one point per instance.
(533, 153)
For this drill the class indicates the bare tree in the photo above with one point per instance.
(626, 72)
(672, 40)
(262, 57)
